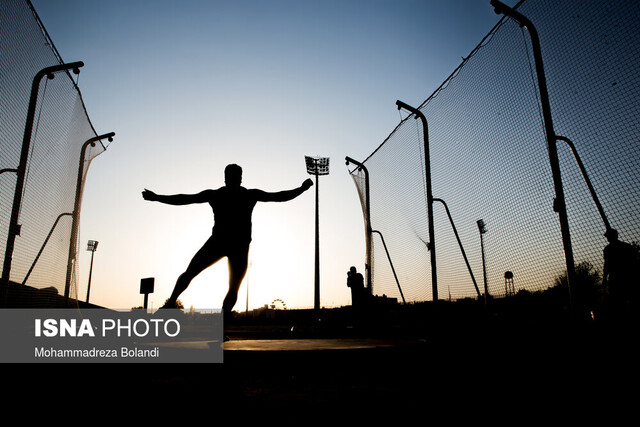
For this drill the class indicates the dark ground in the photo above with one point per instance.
(461, 357)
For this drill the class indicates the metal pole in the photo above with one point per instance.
(586, 179)
(90, 271)
(76, 208)
(484, 268)
(247, 302)
(559, 202)
(482, 229)
(317, 254)
(368, 235)
(393, 270)
(26, 277)
(464, 255)
(14, 227)
(317, 166)
(431, 245)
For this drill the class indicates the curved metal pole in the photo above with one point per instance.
(559, 204)
(464, 255)
(431, 245)
(391, 264)
(586, 179)
(14, 227)
(367, 219)
(76, 208)
(24, 281)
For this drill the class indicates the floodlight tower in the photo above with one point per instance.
(92, 246)
(483, 229)
(317, 166)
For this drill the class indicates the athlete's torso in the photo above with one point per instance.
(232, 209)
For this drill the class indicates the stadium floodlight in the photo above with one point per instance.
(92, 246)
(317, 166)
(483, 229)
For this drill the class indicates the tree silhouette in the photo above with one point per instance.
(587, 288)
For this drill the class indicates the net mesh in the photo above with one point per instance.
(489, 158)
(44, 256)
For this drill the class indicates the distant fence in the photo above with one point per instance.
(46, 145)
(489, 159)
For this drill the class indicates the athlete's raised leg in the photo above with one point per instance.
(209, 254)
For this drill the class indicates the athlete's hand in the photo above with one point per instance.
(149, 195)
(307, 184)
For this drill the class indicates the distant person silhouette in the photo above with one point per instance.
(355, 281)
(232, 207)
(620, 272)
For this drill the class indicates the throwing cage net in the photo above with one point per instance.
(489, 159)
(41, 268)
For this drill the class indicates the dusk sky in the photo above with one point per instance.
(191, 86)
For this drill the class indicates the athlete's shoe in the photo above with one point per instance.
(169, 304)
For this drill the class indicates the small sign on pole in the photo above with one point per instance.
(146, 288)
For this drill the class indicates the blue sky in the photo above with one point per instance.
(191, 86)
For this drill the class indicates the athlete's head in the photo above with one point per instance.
(611, 235)
(233, 175)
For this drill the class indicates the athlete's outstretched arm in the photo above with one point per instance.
(283, 196)
(178, 199)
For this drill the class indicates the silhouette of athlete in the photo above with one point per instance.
(620, 272)
(355, 281)
(231, 236)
